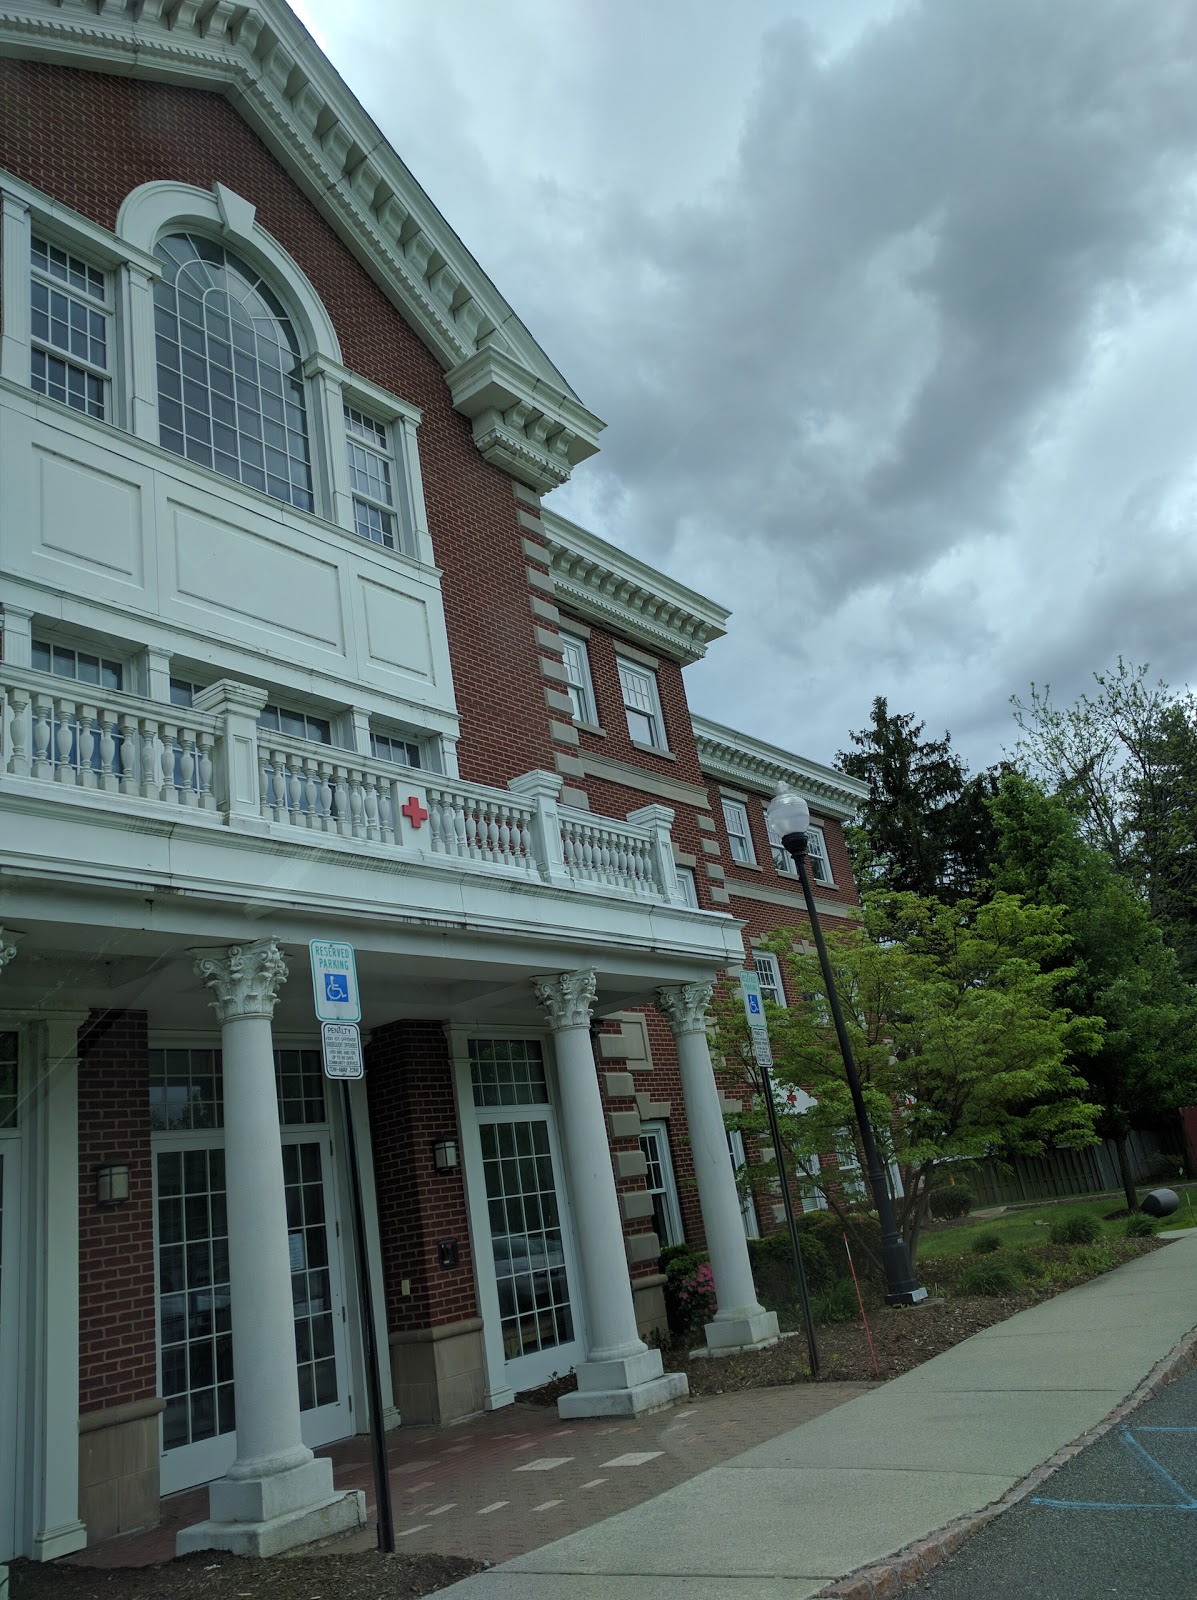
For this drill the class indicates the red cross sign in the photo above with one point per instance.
(414, 811)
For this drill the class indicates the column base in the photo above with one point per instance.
(629, 1387)
(728, 1335)
(263, 1516)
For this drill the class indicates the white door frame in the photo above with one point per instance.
(504, 1379)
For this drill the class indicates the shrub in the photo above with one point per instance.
(1028, 1264)
(838, 1304)
(673, 1252)
(689, 1293)
(1163, 1168)
(986, 1243)
(988, 1278)
(955, 1201)
(1139, 1226)
(1095, 1258)
(1084, 1228)
(773, 1267)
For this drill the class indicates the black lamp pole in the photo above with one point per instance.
(902, 1287)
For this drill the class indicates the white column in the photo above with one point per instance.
(275, 1494)
(53, 1138)
(740, 1321)
(621, 1375)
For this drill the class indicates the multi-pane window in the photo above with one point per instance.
(782, 859)
(83, 666)
(739, 835)
(816, 854)
(371, 477)
(187, 1088)
(659, 1181)
(508, 1072)
(639, 687)
(8, 1080)
(769, 975)
(183, 691)
(686, 883)
(297, 724)
(389, 747)
(70, 317)
(577, 678)
(230, 380)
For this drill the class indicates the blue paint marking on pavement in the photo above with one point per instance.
(1186, 1502)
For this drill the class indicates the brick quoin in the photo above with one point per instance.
(409, 1080)
(117, 1334)
(88, 139)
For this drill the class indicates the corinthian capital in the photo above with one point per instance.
(245, 980)
(684, 1007)
(567, 998)
(7, 951)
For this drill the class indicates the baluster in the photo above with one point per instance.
(281, 776)
(505, 850)
(185, 765)
(567, 845)
(151, 783)
(168, 754)
(64, 740)
(130, 749)
(342, 798)
(18, 760)
(295, 790)
(371, 805)
(436, 822)
(465, 828)
(386, 811)
(326, 797)
(310, 799)
(203, 747)
(108, 751)
(265, 781)
(43, 719)
(85, 745)
(355, 804)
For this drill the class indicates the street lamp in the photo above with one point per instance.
(789, 818)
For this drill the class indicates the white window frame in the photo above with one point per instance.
(402, 538)
(658, 1133)
(389, 737)
(735, 1149)
(93, 305)
(736, 812)
(688, 884)
(579, 685)
(766, 960)
(783, 861)
(816, 854)
(635, 670)
(75, 647)
(281, 708)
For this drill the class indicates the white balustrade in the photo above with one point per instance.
(476, 824)
(106, 742)
(77, 736)
(610, 854)
(321, 789)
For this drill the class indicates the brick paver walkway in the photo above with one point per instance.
(517, 1478)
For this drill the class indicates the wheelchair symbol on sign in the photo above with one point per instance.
(336, 986)
(754, 1005)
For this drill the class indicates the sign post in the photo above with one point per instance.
(754, 1011)
(334, 984)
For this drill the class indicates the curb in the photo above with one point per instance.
(886, 1580)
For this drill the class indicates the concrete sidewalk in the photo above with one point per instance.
(788, 1517)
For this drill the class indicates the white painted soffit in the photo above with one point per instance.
(733, 757)
(607, 586)
(259, 55)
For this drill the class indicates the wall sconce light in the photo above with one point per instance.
(444, 1153)
(112, 1184)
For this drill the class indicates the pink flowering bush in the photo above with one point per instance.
(689, 1294)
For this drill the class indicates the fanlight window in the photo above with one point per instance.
(230, 384)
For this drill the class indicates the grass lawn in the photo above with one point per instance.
(1022, 1225)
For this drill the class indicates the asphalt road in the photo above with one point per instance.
(1118, 1519)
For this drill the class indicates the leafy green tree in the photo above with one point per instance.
(1119, 967)
(1124, 759)
(925, 828)
(963, 1046)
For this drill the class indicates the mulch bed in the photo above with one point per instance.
(209, 1575)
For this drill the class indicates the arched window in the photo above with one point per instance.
(230, 380)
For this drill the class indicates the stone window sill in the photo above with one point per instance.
(590, 727)
(653, 750)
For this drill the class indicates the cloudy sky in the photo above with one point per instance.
(890, 307)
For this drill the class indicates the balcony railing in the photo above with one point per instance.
(217, 760)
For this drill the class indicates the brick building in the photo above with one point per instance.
(290, 652)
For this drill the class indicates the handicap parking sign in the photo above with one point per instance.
(334, 981)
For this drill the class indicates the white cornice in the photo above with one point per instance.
(262, 59)
(613, 589)
(750, 763)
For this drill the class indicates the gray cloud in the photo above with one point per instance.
(889, 308)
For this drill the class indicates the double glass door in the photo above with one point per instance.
(195, 1305)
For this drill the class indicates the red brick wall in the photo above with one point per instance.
(117, 1335)
(409, 1077)
(87, 139)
